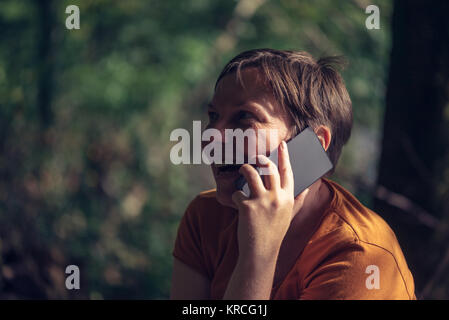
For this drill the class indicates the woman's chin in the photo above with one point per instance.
(224, 195)
(225, 182)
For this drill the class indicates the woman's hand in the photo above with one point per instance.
(265, 216)
(264, 219)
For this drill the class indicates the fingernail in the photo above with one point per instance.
(283, 145)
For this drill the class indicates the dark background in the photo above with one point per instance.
(85, 119)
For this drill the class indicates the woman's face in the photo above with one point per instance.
(252, 106)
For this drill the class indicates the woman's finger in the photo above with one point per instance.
(271, 174)
(285, 168)
(253, 179)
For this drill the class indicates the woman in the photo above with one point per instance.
(322, 244)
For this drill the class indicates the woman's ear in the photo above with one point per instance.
(324, 135)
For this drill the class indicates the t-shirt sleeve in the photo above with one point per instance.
(357, 270)
(188, 244)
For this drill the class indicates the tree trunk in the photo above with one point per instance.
(414, 161)
(45, 63)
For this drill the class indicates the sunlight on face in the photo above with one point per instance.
(251, 106)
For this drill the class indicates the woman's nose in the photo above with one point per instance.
(221, 128)
(216, 137)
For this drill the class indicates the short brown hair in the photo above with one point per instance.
(312, 92)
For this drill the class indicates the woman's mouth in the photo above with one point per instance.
(227, 170)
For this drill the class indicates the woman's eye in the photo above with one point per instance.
(212, 116)
(244, 115)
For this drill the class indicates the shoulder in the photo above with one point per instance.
(352, 237)
(207, 197)
(206, 204)
(207, 214)
(199, 232)
(352, 221)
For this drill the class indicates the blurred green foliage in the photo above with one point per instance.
(85, 118)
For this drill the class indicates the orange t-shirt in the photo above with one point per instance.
(353, 253)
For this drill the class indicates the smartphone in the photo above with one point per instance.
(308, 159)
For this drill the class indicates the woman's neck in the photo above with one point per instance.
(315, 203)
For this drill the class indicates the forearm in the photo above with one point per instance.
(252, 279)
(264, 219)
